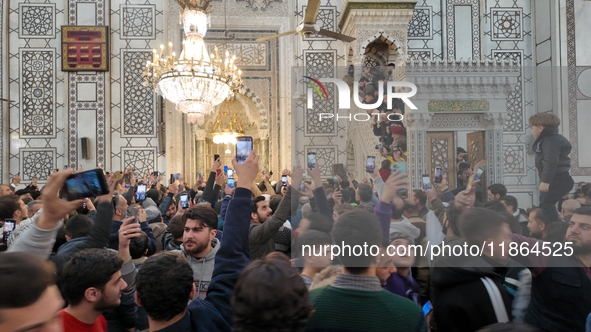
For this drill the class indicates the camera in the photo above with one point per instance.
(465, 156)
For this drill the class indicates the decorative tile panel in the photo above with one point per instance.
(37, 163)
(424, 54)
(36, 21)
(506, 23)
(515, 108)
(138, 111)
(37, 90)
(138, 21)
(514, 159)
(321, 64)
(325, 20)
(456, 121)
(475, 19)
(421, 23)
(325, 155)
(141, 159)
(248, 54)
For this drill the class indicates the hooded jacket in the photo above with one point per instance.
(202, 267)
(460, 299)
(552, 150)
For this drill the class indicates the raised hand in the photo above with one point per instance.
(247, 171)
(129, 229)
(465, 199)
(395, 182)
(54, 208)
(315, 175)
(216, 164)
(308, 191)
(219, 179)
(297, 175)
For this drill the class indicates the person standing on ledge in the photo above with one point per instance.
(552, 161)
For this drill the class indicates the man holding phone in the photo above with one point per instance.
(120, 205)
(12, 211)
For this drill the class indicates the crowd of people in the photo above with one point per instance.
(234, 258)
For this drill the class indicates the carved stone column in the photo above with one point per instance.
(264, 153)
(494, 122)
(199, 149)
(417, 124)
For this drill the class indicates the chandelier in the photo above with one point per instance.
(195, 81)
(227, 128)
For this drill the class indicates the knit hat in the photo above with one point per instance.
(148, 202)
(398, 130)
(152, 214)
(405, 230)
(154, 194)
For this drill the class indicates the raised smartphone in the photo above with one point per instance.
(86, 184)
(311, 160)
(370, 164)
(243, 148)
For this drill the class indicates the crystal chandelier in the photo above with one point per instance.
(195, 81)
(227, 128)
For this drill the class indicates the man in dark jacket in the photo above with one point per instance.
(552, 162)
(461, 301)
(165, 281)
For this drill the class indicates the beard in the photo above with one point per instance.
(535, 235)
(581, 249)
(198, 247)
(106, 303)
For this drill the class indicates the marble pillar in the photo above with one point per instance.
(417, 124)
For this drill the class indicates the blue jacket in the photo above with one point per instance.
(114, 237)
(214, 313)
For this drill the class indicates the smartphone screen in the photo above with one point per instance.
(438, 175)
(370, 164)
(231, 183)
(127, 186)
(9, 225)
(284, 180)
(479, 172)
(243, 148)
(311, 160)
(200, 175)
(230, 173)
(427, 308)
(426, 182)
(140, 194)
(86, 184)
(184, 201)
(177, 176)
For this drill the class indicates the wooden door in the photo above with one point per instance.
(476, 153)
(441, 153)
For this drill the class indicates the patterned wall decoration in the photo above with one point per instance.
(321, 64)
(514, 159)
(37, 115)
(425, 32)
(515, 107)
(37, 20)
(37, 92)
(75, 104)
(3, 153)
(420, 26)
(572, 90)
(136, 28)
(98, 82)
(137, 21)
(451, 34)
(325, 155)
(420, 54)
(325, 20)
(141, 159)
(459, 121)
(139, 103)
(248, 54)
(37, 163)
(506, 23)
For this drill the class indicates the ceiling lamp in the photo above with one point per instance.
(227, 128)
(195, 81)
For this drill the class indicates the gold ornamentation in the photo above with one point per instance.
(458, 106)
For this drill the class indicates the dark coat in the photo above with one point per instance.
(552, 150)
(460, 299)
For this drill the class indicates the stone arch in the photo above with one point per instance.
(262, 110)
(392, 44)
